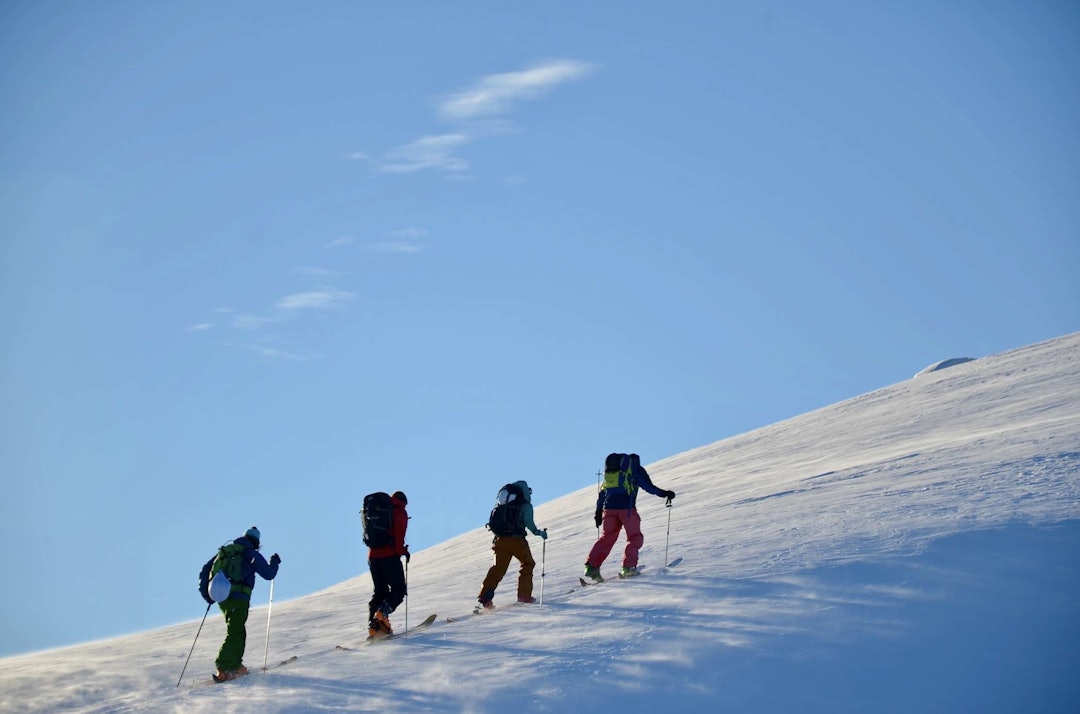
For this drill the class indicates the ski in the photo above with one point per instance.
(282, 663)
(585, 583)
(478, 610)
(214, 680)
(426, 622)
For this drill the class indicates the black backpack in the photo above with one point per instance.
(505, 518)
(377, 517)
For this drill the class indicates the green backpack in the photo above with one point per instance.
(230, 560)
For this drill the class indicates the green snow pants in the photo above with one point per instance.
(231, 654)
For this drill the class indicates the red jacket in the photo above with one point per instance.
(399, 522)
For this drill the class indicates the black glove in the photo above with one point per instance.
(407, 556)
(599, 517)
(670, 496)
(543, 534)
(275, 559)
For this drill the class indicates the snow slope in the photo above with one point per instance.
(912, 549)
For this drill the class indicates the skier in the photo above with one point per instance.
(387, 574)
(509, 520)
(616, 507)
(235, 607)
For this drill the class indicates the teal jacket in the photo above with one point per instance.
(527, 510)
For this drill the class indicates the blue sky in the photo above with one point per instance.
(260, 259)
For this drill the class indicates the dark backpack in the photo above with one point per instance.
(505, 518)
(230, 561)
(377, 516)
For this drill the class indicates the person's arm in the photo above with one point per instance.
(401, 524)
(267, 571)
(527, 521)
(645, 482)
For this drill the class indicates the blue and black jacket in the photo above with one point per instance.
(631, 477)
(254, 564)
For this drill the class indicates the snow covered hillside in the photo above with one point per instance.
(914, 549)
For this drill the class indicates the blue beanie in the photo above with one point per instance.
(253, 535)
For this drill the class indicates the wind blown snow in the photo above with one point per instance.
(911, 549)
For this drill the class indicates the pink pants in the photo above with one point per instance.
(613, 521)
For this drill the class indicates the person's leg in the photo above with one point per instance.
(611, 525)
(231, 654)
(523, 553)
(380, 588)
(634, 538)
(496, 572)
(395, 582)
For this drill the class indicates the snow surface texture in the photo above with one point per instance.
(911, 549)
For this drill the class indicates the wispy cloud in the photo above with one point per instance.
(394, 246)
(314, 272)
(356, 156)
(291, 306)
(409, 233)
(246, 321)
(340, 241)
(428, 152)
(404, 240)
(479, 108)
(314, 300)
(275, 353)
(498, 93)
(200, 327)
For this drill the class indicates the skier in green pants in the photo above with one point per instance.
(230, 659)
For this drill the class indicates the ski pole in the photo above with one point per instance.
(668, 538)
(193, 644)
(598, 472)
(266, 648)
(543, 571)
(406, 597)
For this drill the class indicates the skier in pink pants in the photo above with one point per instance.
(616, 508)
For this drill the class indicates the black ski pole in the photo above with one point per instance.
(668, 538)
(543, 570)
(598, 472)
(193, 644)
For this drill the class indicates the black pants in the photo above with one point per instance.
(388, 577)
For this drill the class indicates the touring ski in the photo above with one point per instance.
(426, 622)
(214, 678)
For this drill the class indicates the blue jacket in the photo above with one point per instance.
(624, 497)
(253, 563)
